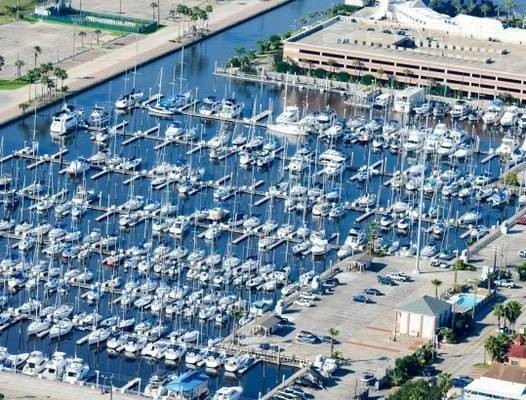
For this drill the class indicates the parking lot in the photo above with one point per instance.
(365, 330)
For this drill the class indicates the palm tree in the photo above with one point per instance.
(436, 283)
(333, 333)
(513, 310)
(36, 51)
(19, 64)
(23, 106)
(236, 315)
(154, 6)
(97, 33)
(82, 35)
(380, 73)
(499, 312)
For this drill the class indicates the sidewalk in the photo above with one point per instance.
(149, 47)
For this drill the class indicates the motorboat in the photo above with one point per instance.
(210, 105)
(238, 363)
(67, 119)
(460, 109)
(76, 371)
(510, 117)
(231, 109)
(156, 387)
(355, 238)
(228, 393)
(492, 115)
(174, 130)
(288, 123)
(99, 118)
(15, 361)
(55, 367)
(35, 364)
(507, 145)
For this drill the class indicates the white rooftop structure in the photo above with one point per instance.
(415, 14)
(485, 388)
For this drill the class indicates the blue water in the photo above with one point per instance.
(199, 62)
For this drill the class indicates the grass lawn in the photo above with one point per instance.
(7, 84)
(26, 6)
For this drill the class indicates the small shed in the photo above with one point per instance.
(422, 317)
(266, 326)
(359, 262)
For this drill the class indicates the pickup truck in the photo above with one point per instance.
(398, 276)
(507, 283)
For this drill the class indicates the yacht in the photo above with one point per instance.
(230, 108)
(210, 106)
(238, 363)
(99, 119)
(174, 130)
(492, 115)
(67, 119)
(55, 368)
(156, 387)
(228, 393)
(36, 363)
(76, 371)
(507, 145)
(288, 122)
(460, 109)
(355, 238)
(510, 116)
(129, 100)
(415, 140)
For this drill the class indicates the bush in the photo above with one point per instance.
(512, 179)
(234, 62)
(410, 366)
(521, 270)
(460, 265)
(342, 76)
(418, 390)
(447, 335)
(368, 80)
(319, 73)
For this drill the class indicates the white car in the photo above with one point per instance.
(507, 283)
(303, 303)
(522, 253)
(398, 276)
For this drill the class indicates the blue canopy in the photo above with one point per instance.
(187, 382)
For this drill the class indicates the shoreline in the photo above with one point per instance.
(85, 76)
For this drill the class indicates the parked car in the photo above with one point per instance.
(373, 292)
(521, 221)
(507, 283)
(522, 253)
(398, 276)
(307, 337)
(385, 280)
(361, 299)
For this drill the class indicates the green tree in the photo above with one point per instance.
(510, 8)
(513, 310)
(2, 62)
(333, 333)
(436, 283)
(512, 179)
(485, 9)
(444, 383)
(497, 346)
(417, 390)
(499, 312)
(24, 106)
(521, 271)
(36, 51)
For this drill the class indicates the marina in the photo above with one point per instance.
(138, 247)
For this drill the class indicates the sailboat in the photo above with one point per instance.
(168, 106)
